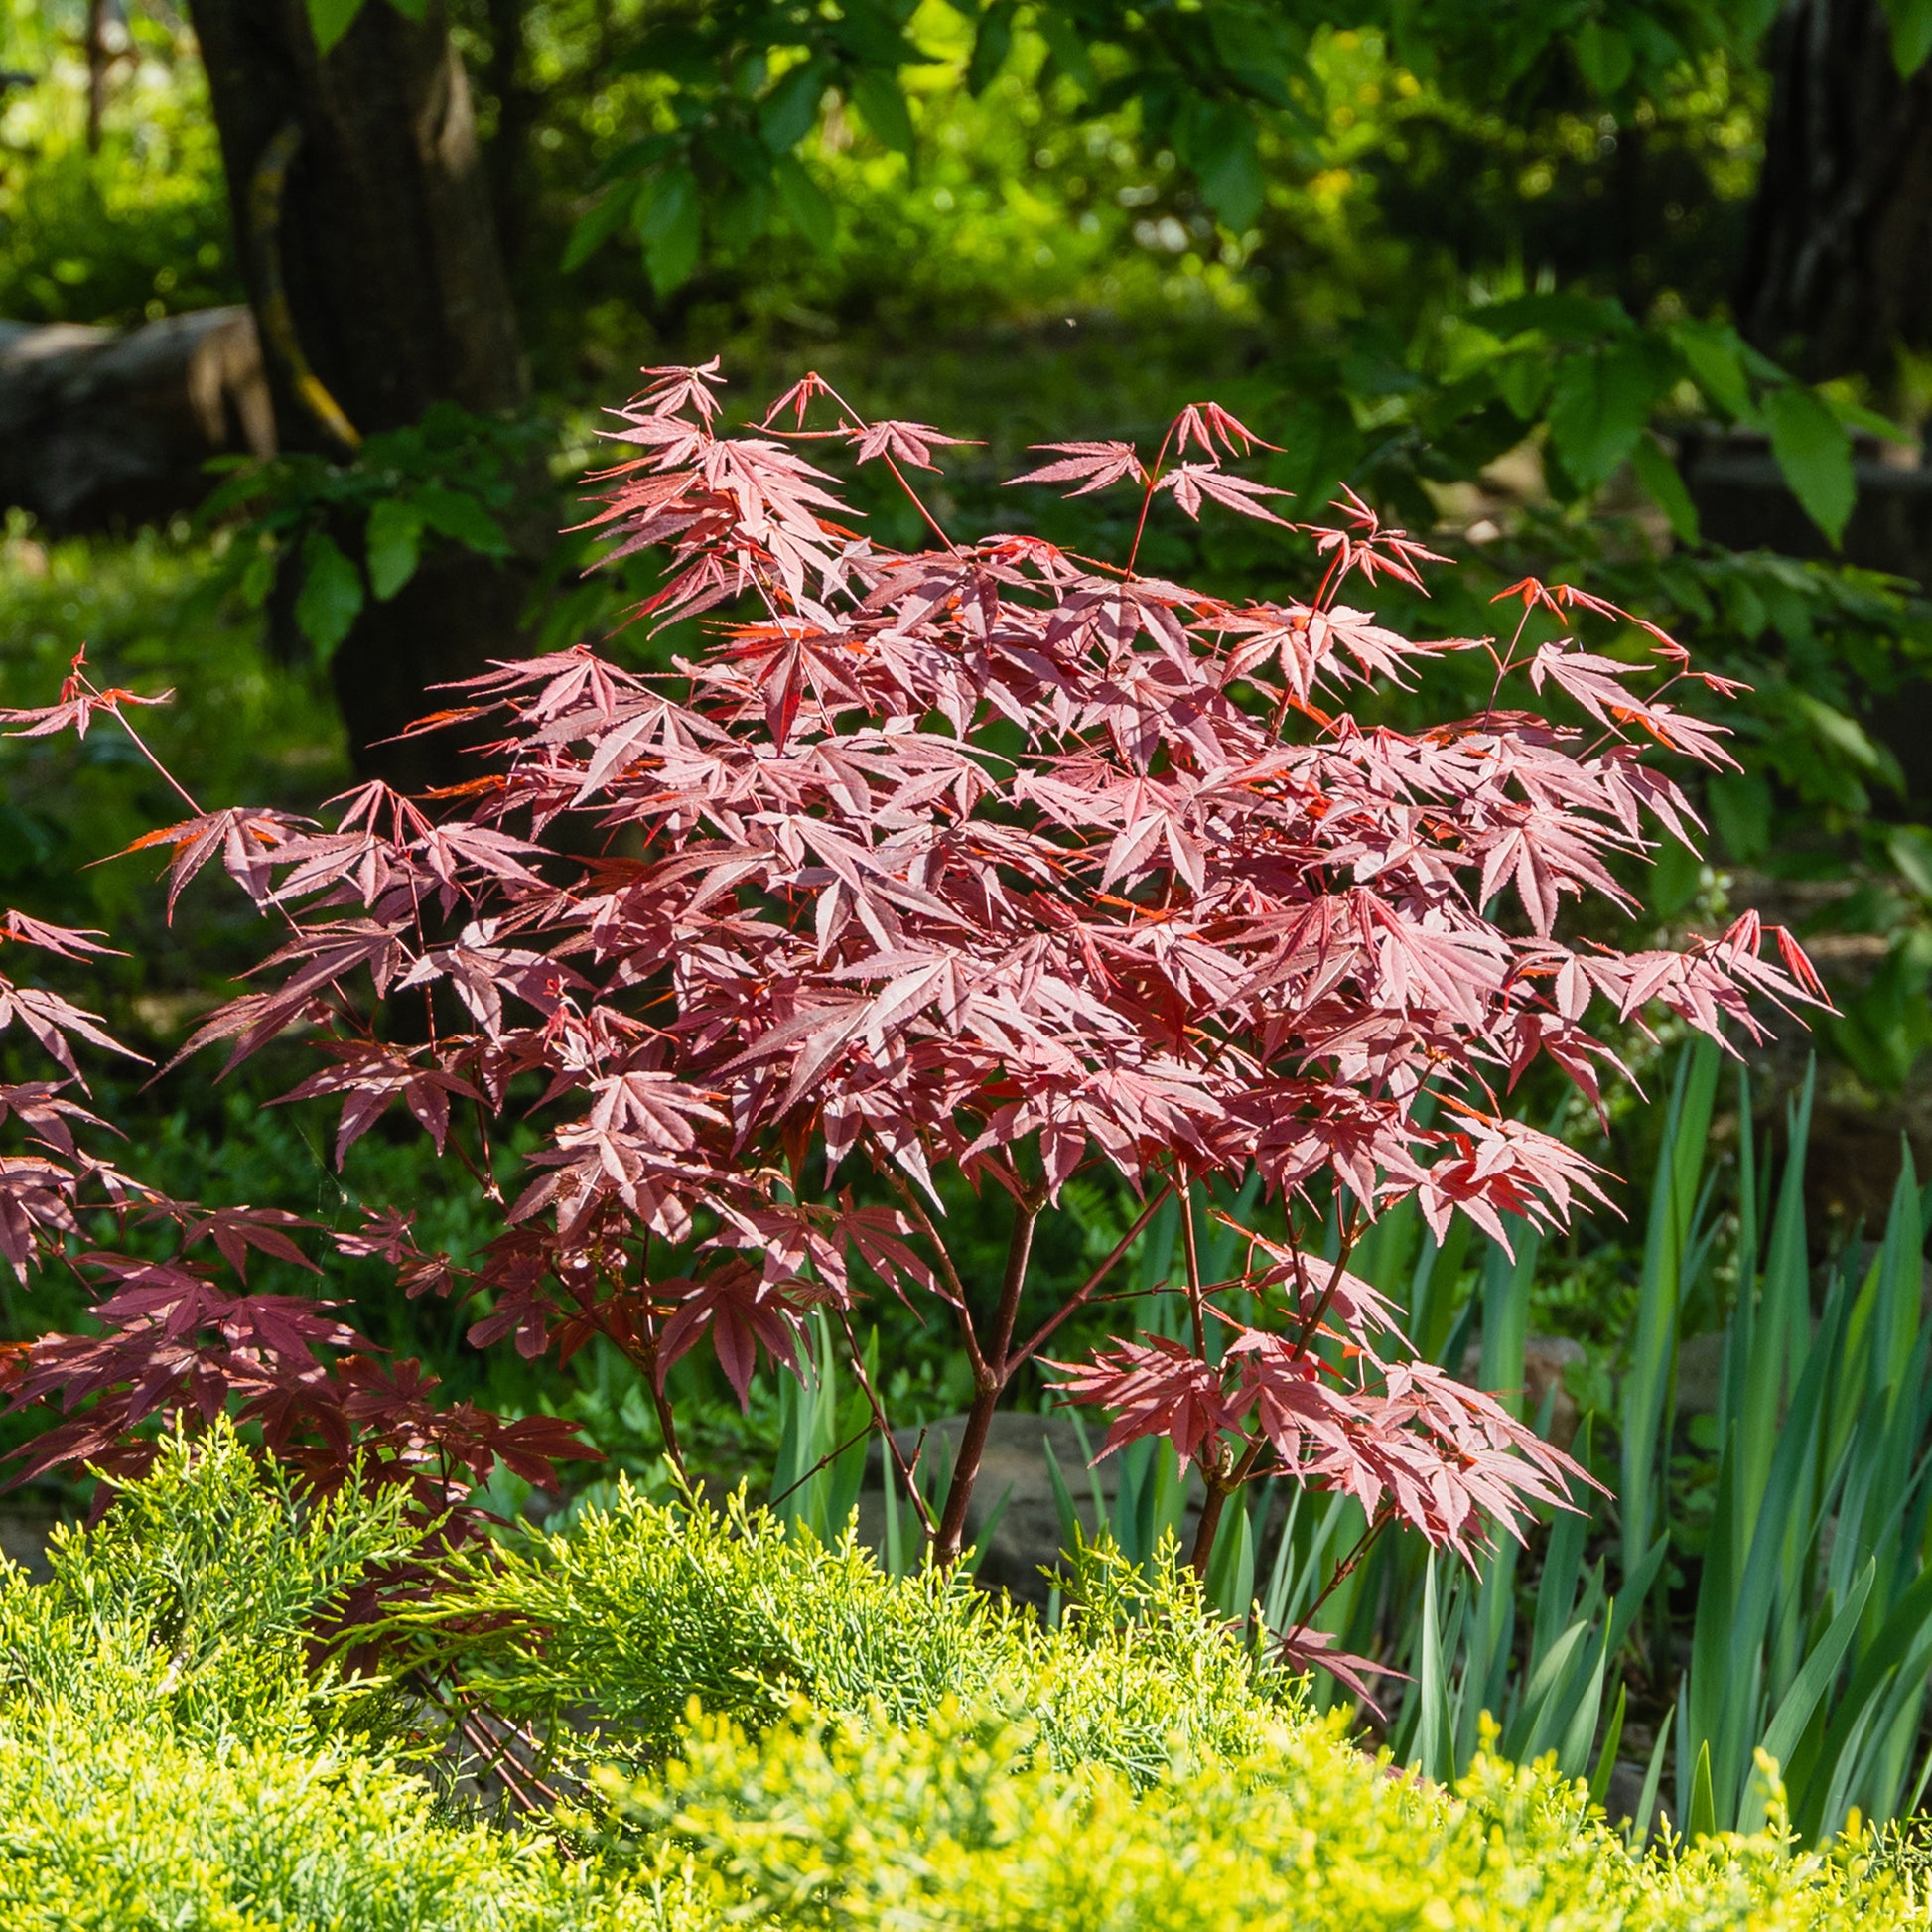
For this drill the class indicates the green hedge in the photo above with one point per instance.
(876, 1753)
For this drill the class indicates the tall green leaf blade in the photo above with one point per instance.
(1794, 1713)
(1506, 1316)
(1555, 1589)
(1673, 1190)
(1429, 1752)
(1648, 1800)
(1573, 1752)
(1599, 1778)
(1701, 1820)
(1783, 1316)
(1535, 1728)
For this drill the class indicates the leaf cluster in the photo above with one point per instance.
(299, 519)
(982, 858)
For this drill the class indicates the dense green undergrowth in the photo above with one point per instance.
(795, 1740)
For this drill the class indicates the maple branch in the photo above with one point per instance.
(1146, 498)
(990, 1378)
(1382, 1519)
(661, 1402)
(912, 495)
(955, 1293)
(1217, 1486)
(1504, 665)
(908, 1473)
(825, 1461)
(1311, 1326)
(918, 504)
(1220, 1484)
(141, 744)
(648, 1359)
(1084, 1293)
(1194, 1291)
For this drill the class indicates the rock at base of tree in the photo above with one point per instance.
(24, 1531)
(101, 427)
(1626, 1794)
(1699, 1374)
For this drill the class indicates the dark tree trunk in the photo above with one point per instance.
(516, 110)
(388, 252)
(1838, 270)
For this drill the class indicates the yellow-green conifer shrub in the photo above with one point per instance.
(964, 1824)
(880, 1753)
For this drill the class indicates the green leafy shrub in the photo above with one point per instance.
(192, 1605)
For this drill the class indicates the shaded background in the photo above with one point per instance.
(311, 306)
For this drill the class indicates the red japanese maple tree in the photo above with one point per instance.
(984, 856)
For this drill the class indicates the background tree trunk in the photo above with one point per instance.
(395, 284)
(1838, 270)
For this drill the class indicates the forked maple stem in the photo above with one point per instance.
(1312, 1324)
(180, 792)
(1146, 499)
(1091, 1285)
(912, 495)
(646, 1359)
(994, 1372)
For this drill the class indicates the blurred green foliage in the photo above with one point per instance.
(1470, 260)
(138, 227)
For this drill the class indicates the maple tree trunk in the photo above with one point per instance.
(389, 252)
(1838, 269)
(993, 1368)
(1212, 1507)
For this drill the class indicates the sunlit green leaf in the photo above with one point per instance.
(1228, 162)
(1814, 450)
(596, 227)
(456, 514)
(741, 215)
(789, 111)
(1604, 56)
(1600, 402)
(331, 597)
(1911, 34)
(1715, 354)
(805, 202)
(992, 42)
(330, 19)
(668, 224)
(394, 539)
(869, 34)
(881, 104)
(1068, 47)
(1657, 472)
(1911, 849)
